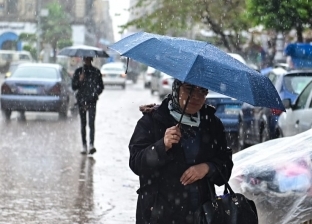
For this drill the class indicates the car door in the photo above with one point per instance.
(305, 117)
(294, 123)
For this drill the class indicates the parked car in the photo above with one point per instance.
(238, 57)
(164, 85)
(133, 69)
(227, 109)
(38, 87)
(298, 117)
(113, 73)
(148, 74)
(155, 76)
(9, 56)
(259, 124)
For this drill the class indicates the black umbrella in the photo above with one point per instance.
(83, 51)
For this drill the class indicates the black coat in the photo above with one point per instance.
(162, 198)
(90, 88)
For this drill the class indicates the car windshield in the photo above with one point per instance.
(35, 73)
(295, 83)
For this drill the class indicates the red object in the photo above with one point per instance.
(56, 89)
(165, 82)
(276, 111)
(5, 89)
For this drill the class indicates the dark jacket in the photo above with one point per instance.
(162, 198)
(90, 88)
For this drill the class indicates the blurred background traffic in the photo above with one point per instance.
(258, 36)
(272, 37)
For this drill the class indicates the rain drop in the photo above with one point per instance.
(222, 87)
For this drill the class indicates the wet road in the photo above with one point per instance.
(44, 179)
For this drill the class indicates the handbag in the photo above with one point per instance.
(229, 208)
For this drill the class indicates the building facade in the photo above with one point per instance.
(89, 18)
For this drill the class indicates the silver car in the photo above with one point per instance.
(113, 73)
(38, 87)
(148, 76)
(164, 86)
(297, 119)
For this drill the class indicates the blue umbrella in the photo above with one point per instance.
(201, 64)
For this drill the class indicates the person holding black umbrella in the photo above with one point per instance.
(88, 81)
(176, 148)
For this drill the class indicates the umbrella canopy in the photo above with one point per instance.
(83, 51)
(201, 64)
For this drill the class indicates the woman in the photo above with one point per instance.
(174, 162)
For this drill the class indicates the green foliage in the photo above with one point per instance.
(32, 50)
(165, 16)
(64, 43)
(280, 15)
(56, 26)
(27, 37)
(177, 17)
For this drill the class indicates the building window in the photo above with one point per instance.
(12, 7)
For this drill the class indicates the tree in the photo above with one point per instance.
(30, 39)
(56, 27)
(223, 17)
(281, 15)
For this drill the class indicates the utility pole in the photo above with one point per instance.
(38, 29)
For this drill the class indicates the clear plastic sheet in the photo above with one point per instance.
(277, 176)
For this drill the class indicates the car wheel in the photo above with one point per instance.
(279, 133)
(22, 116)
(241, 137)
(6, 114)
(63, 112)
(265, 135)
(123, 86)
(152, 92)
(74, 111)
(147, 85)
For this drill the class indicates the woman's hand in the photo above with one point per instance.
(172, 136)
(194, 173)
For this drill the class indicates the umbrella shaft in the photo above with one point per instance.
(187, 100)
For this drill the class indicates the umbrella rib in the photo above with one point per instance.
(197, 55)
(252, 93)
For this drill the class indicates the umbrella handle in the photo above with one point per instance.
(127, 65)
(187, 100)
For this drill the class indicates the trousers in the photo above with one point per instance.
(89, 109)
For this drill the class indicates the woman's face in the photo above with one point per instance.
(197, 99)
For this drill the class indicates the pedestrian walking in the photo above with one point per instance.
(88, 81)
(176, 161)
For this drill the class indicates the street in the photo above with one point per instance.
(44, 179)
